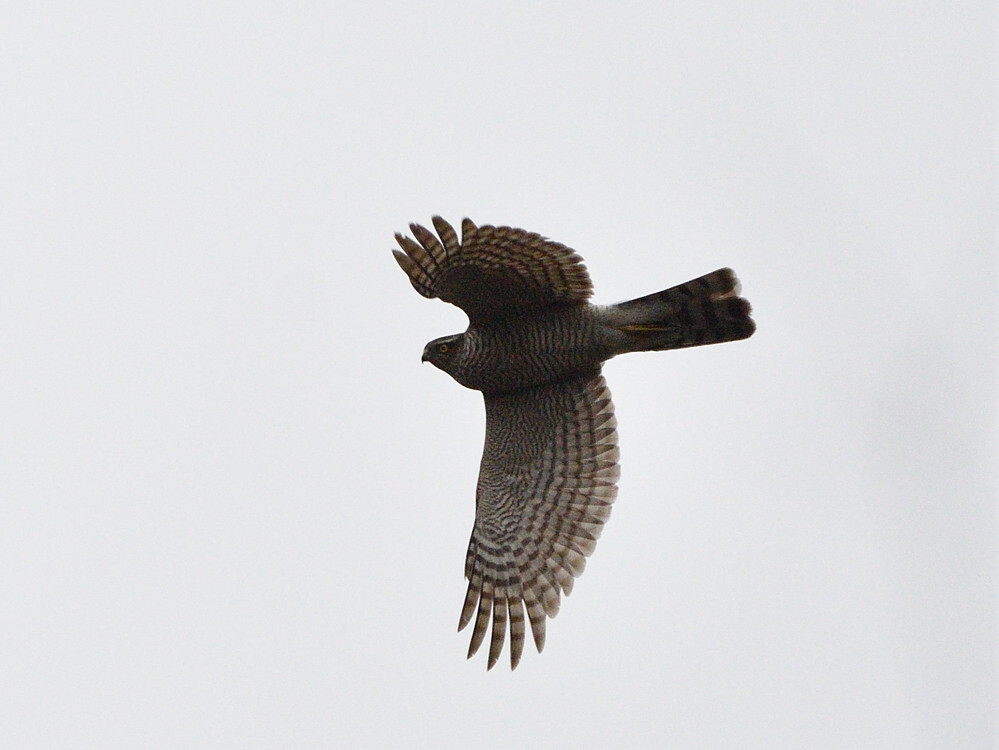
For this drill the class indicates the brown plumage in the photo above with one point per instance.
(534, 347)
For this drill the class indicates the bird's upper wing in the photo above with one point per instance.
(493, 271)
(547, 480)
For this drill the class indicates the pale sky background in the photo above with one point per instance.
(235, 505)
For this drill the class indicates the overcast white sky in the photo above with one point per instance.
(234, 504)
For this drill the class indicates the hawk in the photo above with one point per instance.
(534, 347)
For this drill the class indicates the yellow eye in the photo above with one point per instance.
(442, 348)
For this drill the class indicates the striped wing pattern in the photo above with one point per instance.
(492, 271)
(546, 484)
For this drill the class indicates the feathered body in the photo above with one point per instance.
(524, 351)
(534, 347)
(568, 339)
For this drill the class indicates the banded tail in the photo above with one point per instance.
(706, 310)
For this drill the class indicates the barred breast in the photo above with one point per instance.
(528, 351)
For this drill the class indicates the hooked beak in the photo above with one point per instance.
(426, 355)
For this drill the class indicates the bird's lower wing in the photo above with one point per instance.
(546, 484)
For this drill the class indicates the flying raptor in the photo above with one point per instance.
(534, 347)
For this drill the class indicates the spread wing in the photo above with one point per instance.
(494, 271)
(546, 483)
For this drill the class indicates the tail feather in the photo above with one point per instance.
(706, 310)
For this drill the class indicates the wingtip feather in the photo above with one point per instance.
(468, 228)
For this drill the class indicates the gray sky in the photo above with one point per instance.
(234, 504)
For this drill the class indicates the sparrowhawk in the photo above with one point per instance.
(534, 347)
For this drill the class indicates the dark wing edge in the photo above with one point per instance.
(493, 270)
(426, 261)
(547, 481)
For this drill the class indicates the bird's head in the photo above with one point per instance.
(444, 352)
